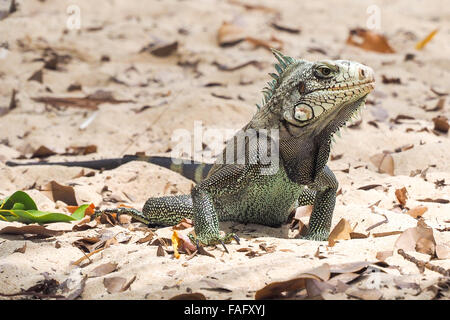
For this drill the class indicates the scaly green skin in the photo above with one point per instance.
(306, 104)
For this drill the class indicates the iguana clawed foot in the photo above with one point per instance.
(213, 240)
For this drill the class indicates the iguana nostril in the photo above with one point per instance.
(362, 74)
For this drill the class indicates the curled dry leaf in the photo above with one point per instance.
(147, 238)
(384, 163)
(418, 239)
(276, 289)
(369, 40)
(229, 34)
(401, 195)
(117, 284)
(189, 296)
(417, 211)
(21, 249)
(340, 232)
(103, 269)
(185, 223)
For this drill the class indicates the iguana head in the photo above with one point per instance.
(318, 97)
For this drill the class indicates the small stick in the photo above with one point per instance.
(422, 264)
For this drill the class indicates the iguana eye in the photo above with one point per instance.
(323, 72)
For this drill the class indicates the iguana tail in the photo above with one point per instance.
(192, 170)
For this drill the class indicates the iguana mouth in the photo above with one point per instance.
(369, 84)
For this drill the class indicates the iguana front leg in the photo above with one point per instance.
(226, 180)
(325, 187)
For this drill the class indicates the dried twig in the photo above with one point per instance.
(422, 264)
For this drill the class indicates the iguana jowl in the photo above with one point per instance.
(306, 103)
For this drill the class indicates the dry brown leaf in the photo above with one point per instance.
(55, 191)
(369, 40)
(114, 284)
(189, 296)
(147, 238)
(161, 49)
(42, 152)
(275, 290)
(185, 223)
(418, 239)
(21, 249)
(160, 251)
(229, 34)
(340, 232)
(30, 229)
(273, 42)
(417, 211)
(384, 163)
(401, 195)
(357, 235)
(383, 255)
(364, 294)
(103, 269)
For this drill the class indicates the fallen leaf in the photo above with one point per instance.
(421, 44)
(273, 42)
(160, 251)
(55, 191)
(30, 229)
(36, 76)
(364, 294)
(81, 150)
(147, 238)
(369, 40)
(340, 232)
(417, 211)
(21, 249)
(384, 163)
(117, 284)
(229, 34)
(275, 290)
(103, 269)
(383, 255)
(419, 238)
(185, 223)
(284, 28)
(161, 49)
(369, 187)
(189, 296)
(401, 195)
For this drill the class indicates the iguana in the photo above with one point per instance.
(303, 106)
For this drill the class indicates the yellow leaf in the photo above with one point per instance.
(175, 243)
(421, 44)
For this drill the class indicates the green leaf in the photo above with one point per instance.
(21, 207)
(20, 197)
(79, 213)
